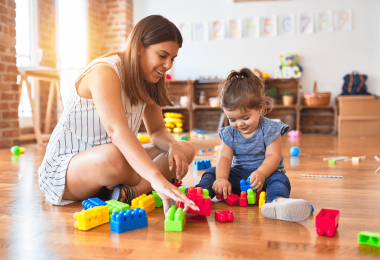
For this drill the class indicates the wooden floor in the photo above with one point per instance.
(31, 228)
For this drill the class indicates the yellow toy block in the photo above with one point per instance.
(262, 199)
(144, 202)
(87, 219)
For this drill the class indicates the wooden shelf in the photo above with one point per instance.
(176, 108)
(195, 106)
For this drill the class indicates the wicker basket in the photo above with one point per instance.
(316, 98)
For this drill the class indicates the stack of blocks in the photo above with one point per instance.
(93, 202)
(197, 195)
(157, 200)
(116, 206)
(251, 195)
(144, 202)
(124, 221)
(201, 165)
(175, 220)
(90, 218)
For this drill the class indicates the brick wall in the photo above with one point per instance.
(47, 42)
(9, 126)
(116, 18)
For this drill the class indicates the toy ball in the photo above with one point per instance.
(312, 208)
(15, 150)
(294, 151)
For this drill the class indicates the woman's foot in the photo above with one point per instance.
(124, 193)
(293, 210)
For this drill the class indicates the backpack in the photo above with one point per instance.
(354, 84)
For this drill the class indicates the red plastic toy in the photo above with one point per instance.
(223, 216)
(178, 183)
(232, 200)
(327, 222)
(243, 201)
(196, 195)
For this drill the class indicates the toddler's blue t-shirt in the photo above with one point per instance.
(249, 153)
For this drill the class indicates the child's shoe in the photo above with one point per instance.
(293, 210)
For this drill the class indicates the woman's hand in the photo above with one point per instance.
(168, 191)
(177, 155)
(257, 180)
(222, 187)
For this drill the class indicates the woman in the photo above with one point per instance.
(94, 144)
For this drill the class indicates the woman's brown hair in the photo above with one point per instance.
(244, 90)
(150, 30)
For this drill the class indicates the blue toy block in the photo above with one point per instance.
(245, 185)
(93, 202)
(201, 151)
(128, 220)
(199, 165)
(209, 149)
(312, 208)
(207, 164)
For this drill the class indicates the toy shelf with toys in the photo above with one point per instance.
(197, 103)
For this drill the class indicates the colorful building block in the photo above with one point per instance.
(206, 194)
(93, 202)
(262, 199)
(232, 200)
(243, 202)
(144, 202)
(251, 196)
(182, 189)
(90, 218)
(223, 216)
(245, 184)
(201, 165)
(369, 238)
(177, 183)
(157, 200)
(175, 220)
(196, 195)
(327, 222)
(124, 221)
(331, 162)
(198, 165)
(258, 193)
(116, 206)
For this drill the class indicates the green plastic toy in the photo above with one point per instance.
(16, 150)
(175, 220)
(251, 196)
(116, 206)
(182, 189)
(331, 162)
(206, 194)
(184, 138)
(369, 238)
(157, 200)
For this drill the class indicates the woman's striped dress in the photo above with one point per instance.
(79, 129)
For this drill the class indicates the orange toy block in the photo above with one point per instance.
(144, 202)
(90, 218)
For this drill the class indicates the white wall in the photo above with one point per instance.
(326, 58)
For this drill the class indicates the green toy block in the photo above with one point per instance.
(183, 189)
(116, 206)
(369, 238)
(175, 220)
(331, 162)
(184, 137)
(206, 194)
(157, 200)
(251, 196)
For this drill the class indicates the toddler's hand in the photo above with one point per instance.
(222, 187)
(257, 180)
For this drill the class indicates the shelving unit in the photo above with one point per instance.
(307, 119)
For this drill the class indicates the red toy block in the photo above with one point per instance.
(258, 197)
(196, 195)
(178, 183)
(232, 200)
(243, 202)
(327, 222)
(223, 216)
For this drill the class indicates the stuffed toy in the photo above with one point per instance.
(289, 66)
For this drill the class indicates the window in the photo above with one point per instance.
(72, 42)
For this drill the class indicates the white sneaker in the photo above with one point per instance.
(293, 210)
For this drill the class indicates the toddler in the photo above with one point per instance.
(252, 143)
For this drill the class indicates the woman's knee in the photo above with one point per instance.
(111, 160)
(188, 149)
